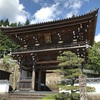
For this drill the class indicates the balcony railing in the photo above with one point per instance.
(52, 46)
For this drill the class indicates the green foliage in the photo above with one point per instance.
(27, 22)
(1, 22)
(90, 89)
(6, 44)
(69, 73)
(49, 97)
(69, 63)
(7, 63)
(74, 88)
(13, 24)
(76, 96)
(69, 59)
(94, 58)
(62, 96)
(6, 22)
(19, 24)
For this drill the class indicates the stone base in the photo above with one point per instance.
(17, 91)
(32, 91)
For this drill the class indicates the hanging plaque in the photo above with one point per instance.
(47, 38)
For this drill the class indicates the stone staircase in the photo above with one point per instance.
(27, 95)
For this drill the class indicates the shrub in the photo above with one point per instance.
(62, 96)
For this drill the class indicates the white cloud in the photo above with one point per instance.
(36, 1)
(45, 14)
(43, 3)
(50, 10)
(97, 38)
(57, 9)
(13, 10)
(74, 7)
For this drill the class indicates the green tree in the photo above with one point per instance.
(93, 62)
(1, 22)
(13, 24)
(19, 24)
(27, 22)
(6, 44)
(70, 69)
(6, 22)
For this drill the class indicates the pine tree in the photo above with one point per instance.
(19, 24)
(5, 43)
(1, 22)
(13, 24)
(6, 23)
(70, 71)
(27, 22)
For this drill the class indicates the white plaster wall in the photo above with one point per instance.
(96, 85)
(4, 87)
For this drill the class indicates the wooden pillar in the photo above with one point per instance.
(19, 78)
(45, 80)
(33, 73)
(33, 79)
(39, 80)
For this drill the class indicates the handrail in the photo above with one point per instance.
(42, 47)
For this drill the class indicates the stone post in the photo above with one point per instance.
(82, 84)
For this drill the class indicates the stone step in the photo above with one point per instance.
(25, 96)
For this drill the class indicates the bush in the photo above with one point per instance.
(62, 96)
(49, 97)
(76, 96)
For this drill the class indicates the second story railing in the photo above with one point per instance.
(50, 46)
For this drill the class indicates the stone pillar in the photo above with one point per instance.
(82, 83)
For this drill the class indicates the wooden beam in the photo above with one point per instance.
(47, 62)
(48, 50)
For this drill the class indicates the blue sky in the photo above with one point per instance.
(46, 10)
